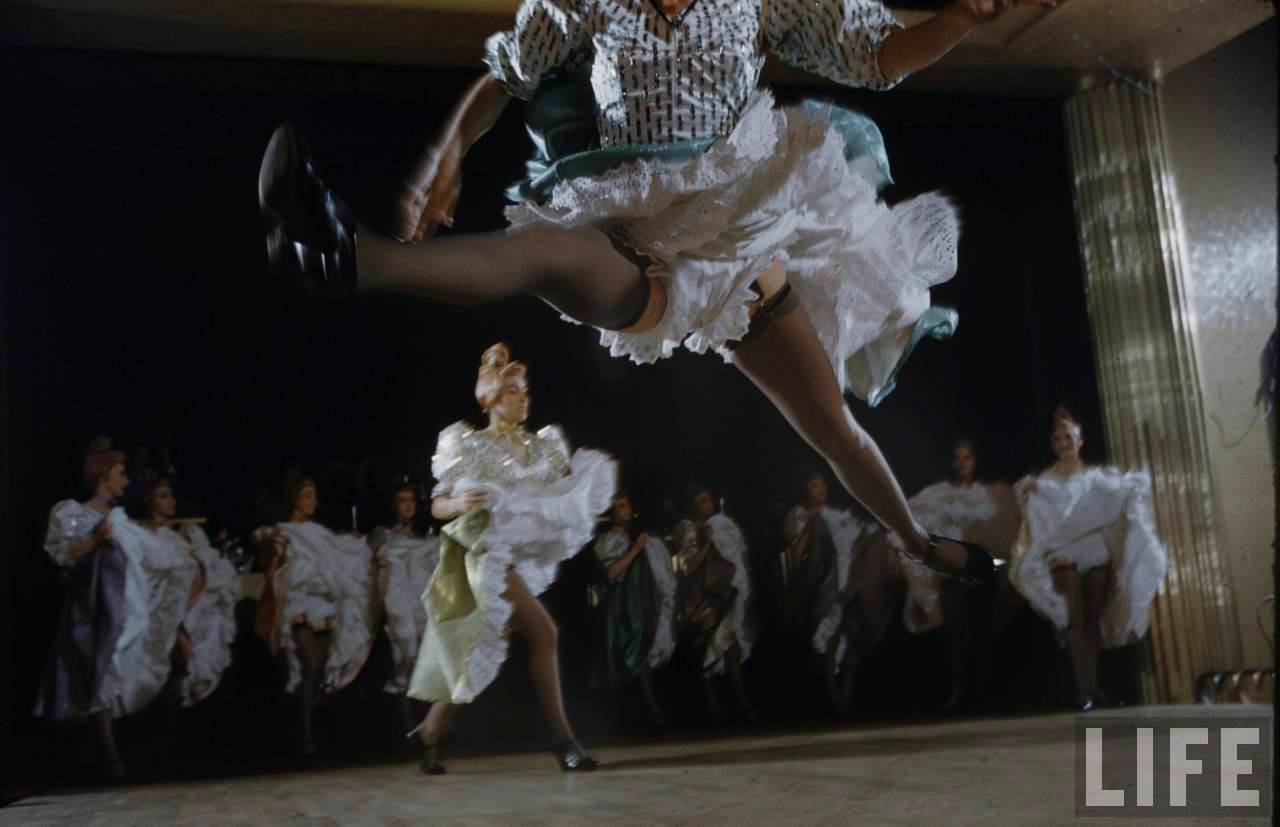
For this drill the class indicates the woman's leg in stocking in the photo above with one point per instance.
(1066, 582)
(1096, 585)
(312, 650)
(785, 360)
(957, 628)
(650, 699)
(580, 272)
(105, 728)
(531, 621)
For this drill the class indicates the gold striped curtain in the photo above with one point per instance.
(1144, 351)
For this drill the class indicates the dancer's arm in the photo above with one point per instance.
(860, 43)
(620, 566)
(96, 538)
(446, 507)
(909, 50)
(431, 191)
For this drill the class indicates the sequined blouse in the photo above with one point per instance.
(656, 80)
(467, 453)
(69, 523)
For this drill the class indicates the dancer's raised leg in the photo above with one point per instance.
(582, 272)
(785, 360)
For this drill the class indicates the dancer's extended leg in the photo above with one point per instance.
(580, 272)
(785, 360)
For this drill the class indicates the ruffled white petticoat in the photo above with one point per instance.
(535, 524)
(978, 513)
(845, 529)
(1098, 516)
(326, 581)
(405, 564)
(158, 582)
(209, 620)
(779, 188)
(211, 623)
(737, 626)
(664, 577)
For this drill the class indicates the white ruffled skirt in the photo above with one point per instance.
(210, 621)
(738, 625)
(779, 188)
(664, 642)
(405, 564)
(158, 582)
(1100, 516)
(532, 528)
(845, 530)
(326, 582)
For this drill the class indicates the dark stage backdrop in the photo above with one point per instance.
(138, 304)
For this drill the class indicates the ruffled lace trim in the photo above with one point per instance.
(532, 531)
(327, 580)
(211, 625)
(664, 642)
(778, 189)
(1139, 561)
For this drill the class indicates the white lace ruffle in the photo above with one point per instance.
(210, 621)
(158, 582)
(327, 582)
(534, 527)
(978, 513)
(1112, 507)
(779, 188)
(845, 529)
(664, 642)
(405, 564)
(737, 626)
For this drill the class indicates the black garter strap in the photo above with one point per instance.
(775, 307)
(618, 237)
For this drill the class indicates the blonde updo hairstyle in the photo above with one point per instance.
(496, 368)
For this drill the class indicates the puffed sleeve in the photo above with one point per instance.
(1023, 488)
(546, 34)
(68, 524)
(837, 39)
(449, 462)
(556, 447)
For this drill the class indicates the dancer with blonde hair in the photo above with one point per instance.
(518, 503)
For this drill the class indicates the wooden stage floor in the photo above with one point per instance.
(979, 771)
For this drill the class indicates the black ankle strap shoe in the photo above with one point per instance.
(311, 235)
(573, 758)
(979, 567)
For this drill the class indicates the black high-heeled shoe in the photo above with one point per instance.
(431, 760)
(311, 236)
(573, 758)
(430, 753)
(979, 566)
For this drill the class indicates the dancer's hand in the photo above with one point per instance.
(430, 193)
(469, 501)
(103, 532)
(978, 12)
